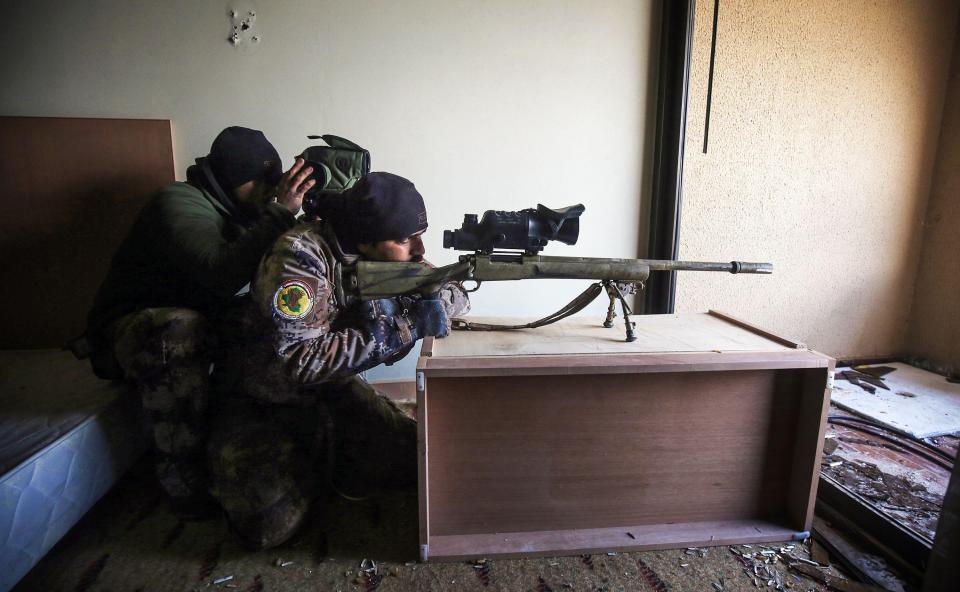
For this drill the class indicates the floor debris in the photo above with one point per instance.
(934, 408)
(874, 371)
(761, 566)
(834, 582)
(353, 534)
(482, 569)
(911, 503)
(368, 566)
(865, 381)
(899, 476)
(865, 566)
(819, 554)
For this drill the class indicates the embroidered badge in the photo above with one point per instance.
(293, 300)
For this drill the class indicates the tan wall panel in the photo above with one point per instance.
(935, 321)
(72, 190)
(823, 132)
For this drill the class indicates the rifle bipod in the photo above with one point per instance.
(615, 292)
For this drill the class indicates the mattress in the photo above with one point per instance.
(65, 438)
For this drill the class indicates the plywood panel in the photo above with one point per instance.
(608, 450)
(811, 422)
(621, 363)
(565, 451)
(598, 540)
(586, 335)
(72, 188)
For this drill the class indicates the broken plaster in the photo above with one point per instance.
(243, 35)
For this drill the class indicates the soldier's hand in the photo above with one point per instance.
(429, 318)
(294, 185)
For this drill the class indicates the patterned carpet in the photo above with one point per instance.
(131, 542)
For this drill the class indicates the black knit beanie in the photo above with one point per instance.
(379, 207)
(240, 154)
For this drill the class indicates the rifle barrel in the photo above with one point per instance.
(730, 266)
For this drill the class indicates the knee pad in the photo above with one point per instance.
(259, 476)
(269, 526)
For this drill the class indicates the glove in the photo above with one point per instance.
(428, 318)
(395, 324)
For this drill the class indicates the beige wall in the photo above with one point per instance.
(935, 323)
(823, 132)
(484, 105)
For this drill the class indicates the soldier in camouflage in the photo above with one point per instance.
(295, 416)
(192, 247)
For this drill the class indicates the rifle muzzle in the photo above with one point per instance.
(748, 267)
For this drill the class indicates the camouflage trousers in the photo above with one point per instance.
(165, 353)
(270, 463)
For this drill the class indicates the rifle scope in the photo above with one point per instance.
(526, 230)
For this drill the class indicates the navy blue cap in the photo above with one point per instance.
(381, 206)
(240, 154)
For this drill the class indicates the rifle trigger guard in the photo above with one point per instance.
(475, 287)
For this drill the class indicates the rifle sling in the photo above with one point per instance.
(572, 307)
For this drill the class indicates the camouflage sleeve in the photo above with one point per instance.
(294, 289)
(456, 302)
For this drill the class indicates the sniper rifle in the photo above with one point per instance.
(505, 246)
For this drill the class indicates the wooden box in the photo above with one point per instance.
(566, 439)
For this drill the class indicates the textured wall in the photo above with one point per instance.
(823, 134)
(935, 320)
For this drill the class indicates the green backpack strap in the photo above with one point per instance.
(338, 142)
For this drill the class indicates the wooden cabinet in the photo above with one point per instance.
(566, 439)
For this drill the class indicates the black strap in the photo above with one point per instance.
(338, 142)
(573, 307)
(213, 186)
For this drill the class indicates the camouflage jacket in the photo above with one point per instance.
(298, 329)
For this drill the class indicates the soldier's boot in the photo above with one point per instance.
(374, 444)
(166, 353)
(263, 481)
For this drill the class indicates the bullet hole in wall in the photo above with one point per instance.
(243, 31)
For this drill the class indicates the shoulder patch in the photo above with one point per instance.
(293, 300)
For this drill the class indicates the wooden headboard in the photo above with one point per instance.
(70, 191)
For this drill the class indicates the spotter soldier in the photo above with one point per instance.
(191, 249)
